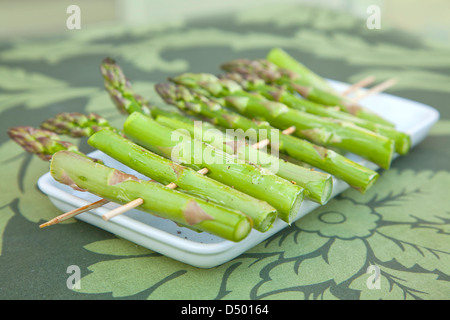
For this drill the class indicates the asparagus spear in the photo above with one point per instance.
(44, 144)
(76, 124)
(272, 74)
(41, 142)
(190, 181)
(356, 175)
(280, 94)
(121, 92)
(124, 96)
(318, 185)
(282, 59)
(281, 194)
(114, 185)
(323, 131)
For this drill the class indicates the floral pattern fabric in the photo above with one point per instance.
(399, 231)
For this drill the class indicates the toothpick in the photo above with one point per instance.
(122, 209)
(289, 130)
(261, 144)
(74, 212)
(360, 84)
(265, 142)
(377, 89)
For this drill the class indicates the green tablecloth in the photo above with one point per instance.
(401, 225)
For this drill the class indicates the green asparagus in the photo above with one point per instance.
(76, 124)
(121, 92)
(356, 175)
(261, 184)
(190, 181)
(282, 59)
(323, 131)
(276, 93)
(114, 185)
(166, 172)
(41, 142)
(272, 74)
(318, 185)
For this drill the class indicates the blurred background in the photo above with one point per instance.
(31, 18)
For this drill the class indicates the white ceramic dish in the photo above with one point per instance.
(202, 249)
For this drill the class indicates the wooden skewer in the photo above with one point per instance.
(74, 212)
(265, 142)
(137, 202)
(289, 130)
(377, 89)
(358, 85)
(122, 209)
(261, 144)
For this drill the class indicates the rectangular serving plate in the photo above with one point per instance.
(201, 249)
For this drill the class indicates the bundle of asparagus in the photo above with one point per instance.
(317, 185)
(190, 181)
(281, 194)
(46, 144)
(83, 174)
(251, 82)
(143, 161)
(319, 130)
(205, 179)
(292, 76)
(356, 175)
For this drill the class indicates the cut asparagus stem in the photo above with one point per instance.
(137, 202)
(356, 175)
(323, 131)
(358, 85)
(126, 100)
(280, 94)
(318, 186)
(376, 89)
(175, 175)
(120, 187)
(274, 75)
(261, 184)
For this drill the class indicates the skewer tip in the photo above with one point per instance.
(48, 223)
